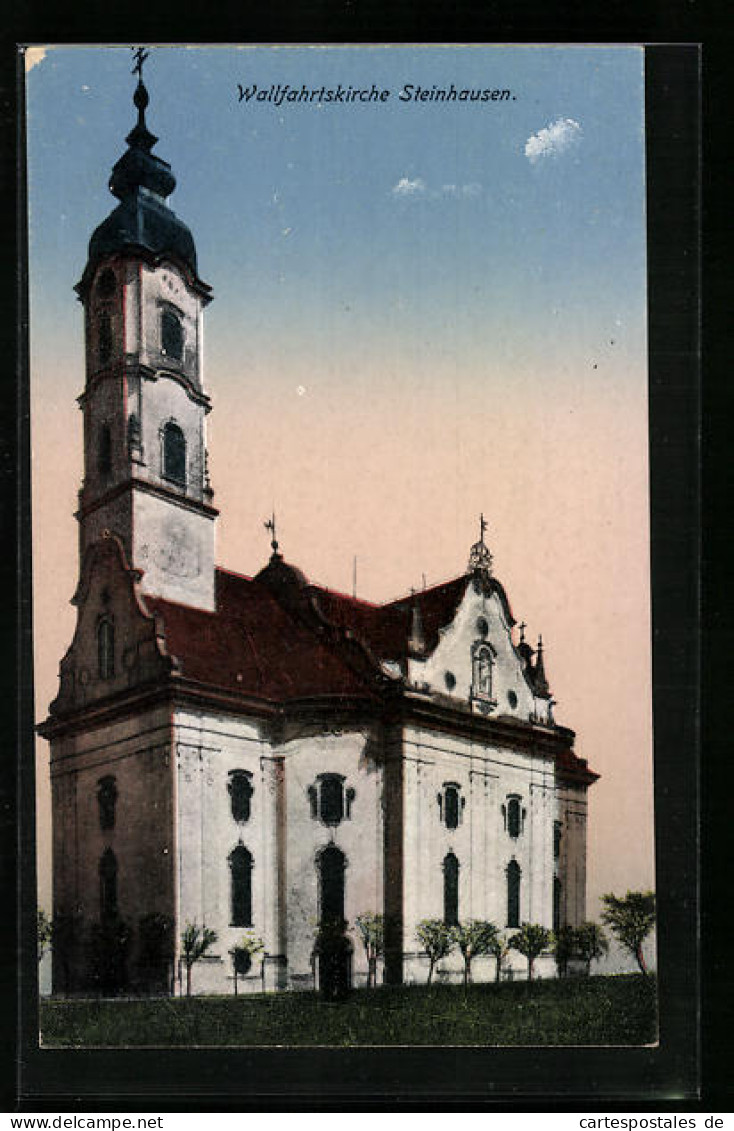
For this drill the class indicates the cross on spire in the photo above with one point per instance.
(483, 524)
(139, 55)
(522, 626)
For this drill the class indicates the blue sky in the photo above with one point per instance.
(294, 206)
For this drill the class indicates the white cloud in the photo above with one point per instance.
(472, 189)
(557, 138)
(418, 187)
(406, 187)
(34, 56)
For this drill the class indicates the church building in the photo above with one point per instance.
(259, 755)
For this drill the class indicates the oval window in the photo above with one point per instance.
(512, 699)
(450, 680)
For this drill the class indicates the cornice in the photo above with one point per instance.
(158, 489)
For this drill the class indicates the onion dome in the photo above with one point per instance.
(141, 181)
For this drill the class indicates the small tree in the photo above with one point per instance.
(332, 950)
(242, 955)
(631, 919)
(499, 950)
(591, 943)
(474, 938)
(437, 940)
(564, 949)
(531, 940)
(371, 928)
(44, 932)
(195, 942)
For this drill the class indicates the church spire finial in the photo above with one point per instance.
(270, 525)
(479, 555)
(140, 136)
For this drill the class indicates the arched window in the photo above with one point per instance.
(513, 894)
(452, 807)
(240, 865)
(174, 453)
(330, 801)
(450, 804)
(171, 335)
(107, 885)
(104, 337)
(557, 833)
(106, 649)
(556, 903)
(104, 450)
(331, 865)
(514, 815)
(240, 792)
(107, 799)
(450, 890)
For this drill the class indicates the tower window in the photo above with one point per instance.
(107, 800)
(104, 450)
(556, 903)
(106, 284)
(557, 839)
(240, 792)
(513, 894)
(174, 453)
(106, 649)
(104, 337)
(171, 335)
(107, 885)
(330, 801)
(240, 866)
(450, 890)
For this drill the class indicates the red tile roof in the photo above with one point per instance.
(253, 645)
(386, 628)
(278, 637)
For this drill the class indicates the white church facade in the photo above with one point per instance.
(264, 754)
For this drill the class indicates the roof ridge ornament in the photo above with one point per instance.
(480, 559)
(416, 640)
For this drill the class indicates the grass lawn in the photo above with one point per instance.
(591, 1011)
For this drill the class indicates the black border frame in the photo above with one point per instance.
(660, 1078)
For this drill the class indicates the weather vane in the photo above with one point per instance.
(139, 55)
(483, 524)
(270, 525)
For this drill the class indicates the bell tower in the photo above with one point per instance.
(144, 404)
